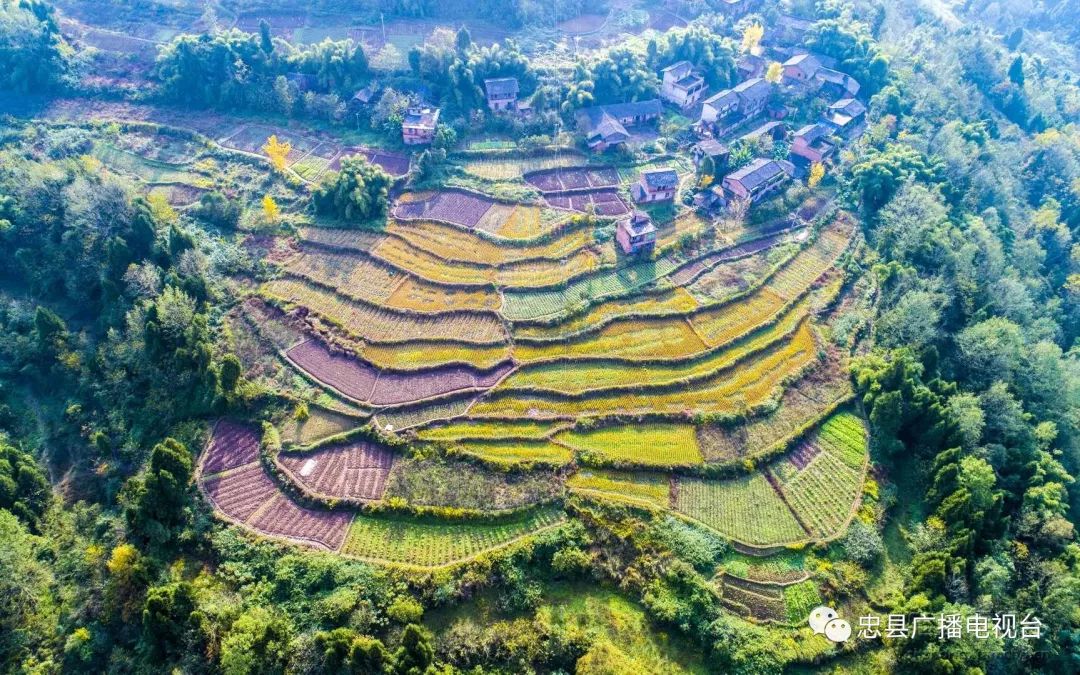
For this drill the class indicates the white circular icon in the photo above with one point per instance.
(821, 616)
(838, 630)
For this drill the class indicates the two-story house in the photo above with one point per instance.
(801, 68)
(418, 127)
(812, 144)
(655, 186)
(636, 234)
(758, 179)
(605, 126)
(502, 94)
(681, 85)
(846, 117)
(733, 107)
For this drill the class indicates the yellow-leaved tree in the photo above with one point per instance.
(751, 37)
(817, 172)
(277, 151)
(774, 73)
(270, 209)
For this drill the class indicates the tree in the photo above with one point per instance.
(33, 54)
(218, 209)
(257, 643)
(358, 192)
(751, 37)
(157, 501)
(231, 370)
(283, 96)
(463, 40)
(166, 618)
(415, 654)
(817, 172)
(1016, 71)
(278, 152)
(774, 73)
(271, 211)
(266, 42)
(24, 490)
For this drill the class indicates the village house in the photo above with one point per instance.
(774, 130)
(363, 97)
(636, 234)
(835, 83)
(655, 186)
(502, 93)
(757, 179)
(419, 124)
(712, 150)
(846, 117)
(730, 108)
(812, 143)
(789, 29)
(710, 199)
(751, 66)
(605, 126)
(801, 68)
(682, 86)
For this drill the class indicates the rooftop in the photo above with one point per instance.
(424, 117)
(501, 86)
(712, 147)
(661, 179)
(760, 171)
(639, 223)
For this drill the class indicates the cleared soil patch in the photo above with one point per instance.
(354, 471)
(459, 208)
(392, 163)
(285, 518)
(241, 492)
(232, 445)
(576, 178)
(603, 202)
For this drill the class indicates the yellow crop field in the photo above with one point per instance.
(516, 452)
(480, 429)
(582, 376)
(646, 444)
(355, 276)
(690, 222)
(513, 168)
(650, 488)
(661, 339)
(417, 355)
(378, 325)
(523, 223)
(424, 296)
(452, 243)
(429, 267)
(538, 273)
(672, 301)
(750, 384)
(805, 268)
(728, 322)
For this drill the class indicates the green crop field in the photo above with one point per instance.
(636, 487)
(509, 452)
(747, 509)
(424, 544)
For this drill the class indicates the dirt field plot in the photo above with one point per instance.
(252, 137)
(232, 445)
(240, 493)
(459, 208)
(353, 471)
(574, 178)
(392, 163)
(285, 518)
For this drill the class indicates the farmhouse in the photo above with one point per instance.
(711, 199)
(847, 117)
(773, 130)
(730, 108)
(712, 153)
(636, 234)
(812, 143)
(751, 66)
(419, 124)
(682, 86)
(502, 93)
(757, 179)
(364, 97)
(606, 125)
(801, 68)
(836, 83)
(656, 186)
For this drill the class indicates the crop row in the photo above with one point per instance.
(430, 545)
(576, 377)
(524, 222)
(671, 301)
(478, 429)
(746, 509)
(749, 385)
(232, 445)
(421, 354)
(510, 451)
(638, 444)
(406, 418)
(651, 488)
(513, 168)
(354, 470)
(285, 518)
(460, 208)
(823, 493)
(669, 338)
(319, 424)
(454, 244)
(241, 492)
(378, 325)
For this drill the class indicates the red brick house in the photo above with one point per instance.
(636, 234)
(655, 186)
(419, 124)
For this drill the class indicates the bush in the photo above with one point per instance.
(862, 543)
(358, 192)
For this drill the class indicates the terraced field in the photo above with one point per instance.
(488, 335)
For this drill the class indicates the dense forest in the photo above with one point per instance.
(116, 357)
